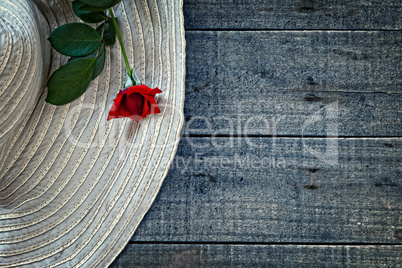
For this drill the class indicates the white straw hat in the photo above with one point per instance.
(73, 185)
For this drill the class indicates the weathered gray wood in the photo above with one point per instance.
(294, 60)
(297, 113)
(292, 190)
(289, 14)
(196, 255)
(279, 82)
(303, 190)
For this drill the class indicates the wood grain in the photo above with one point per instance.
(289, 14)
(213, 255)
(309, 190)
(276, 83)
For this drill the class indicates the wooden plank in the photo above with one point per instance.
(289, 14)
(213, 255)
(285, 190)
(276, 83)
(295, 60)
(297, 113)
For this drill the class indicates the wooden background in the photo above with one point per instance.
(291, 150)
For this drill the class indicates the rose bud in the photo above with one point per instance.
(135, 102)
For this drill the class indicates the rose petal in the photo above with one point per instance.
(123, 109)
(156, 91)
(134, 103)
(114, 111)
(145, 109)
(154, 106)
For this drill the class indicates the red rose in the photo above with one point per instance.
(135, 102)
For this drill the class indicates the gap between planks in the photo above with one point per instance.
(257, 243)
(286, 136)
(286, 30)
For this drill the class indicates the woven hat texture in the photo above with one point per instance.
(74, 186)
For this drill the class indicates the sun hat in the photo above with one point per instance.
(74, 186)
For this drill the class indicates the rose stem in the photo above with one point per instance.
(122, 46)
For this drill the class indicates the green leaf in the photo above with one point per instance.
(109, 36)
(100, 3)
(75, 39)
(87, 16)
(70, 81)
(92, 9)
(100, 62)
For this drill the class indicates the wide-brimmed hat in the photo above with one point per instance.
(73, 185)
